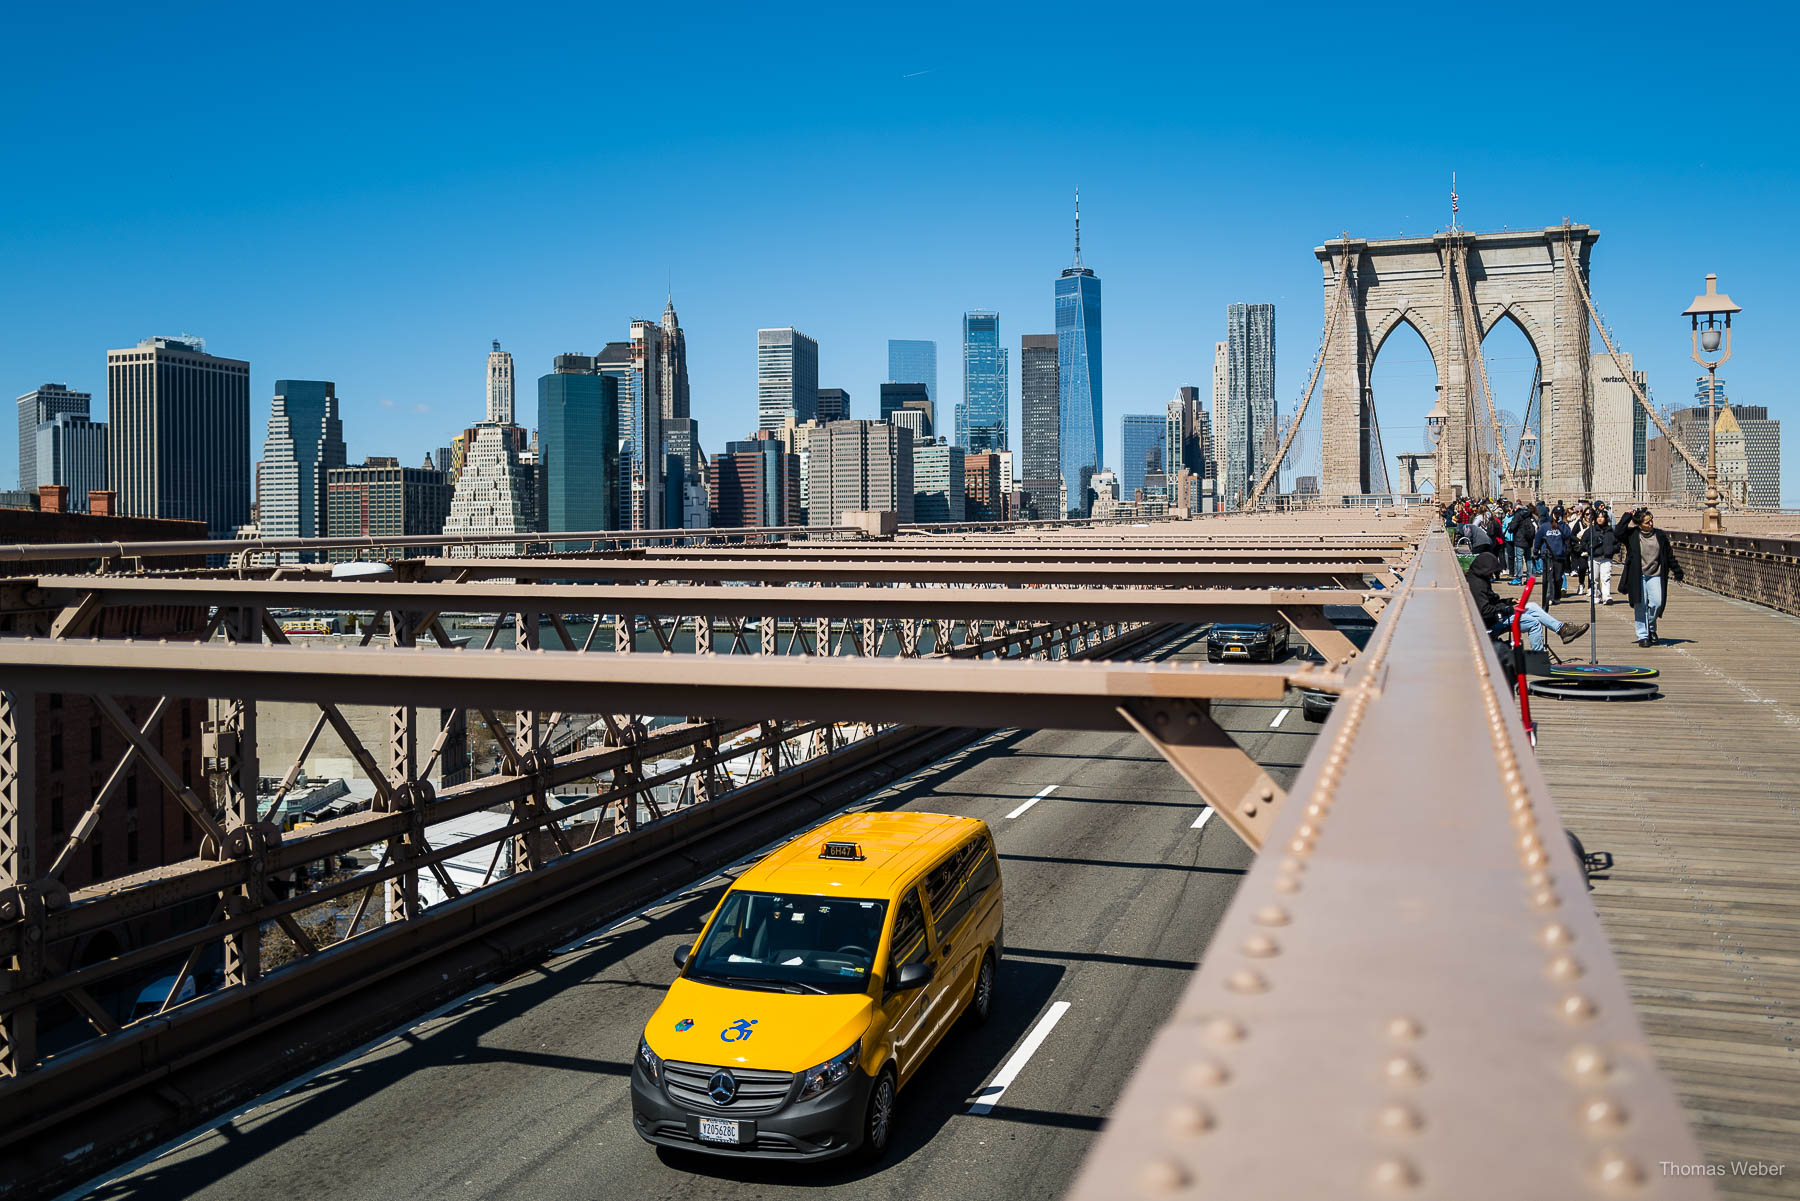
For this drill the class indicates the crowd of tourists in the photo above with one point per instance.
(1559, 542)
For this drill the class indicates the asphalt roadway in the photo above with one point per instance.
(1112, 893)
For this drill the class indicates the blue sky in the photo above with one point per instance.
(371, 194)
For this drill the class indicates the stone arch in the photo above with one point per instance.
(1410, 315)
(1517, 274)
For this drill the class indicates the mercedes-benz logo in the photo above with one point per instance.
(722, 1088)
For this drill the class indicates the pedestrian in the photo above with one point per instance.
(1649, 562)
(1525, 528)
(1600, 544)
(1554, 540)
(1578, 556)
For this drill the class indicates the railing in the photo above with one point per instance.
(1765, 571)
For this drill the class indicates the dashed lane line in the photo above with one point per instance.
(1048, 789)
(990, 1096)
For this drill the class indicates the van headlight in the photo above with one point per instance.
(833, 1071)
(650, 1059)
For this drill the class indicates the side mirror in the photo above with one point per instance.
(913, 975)
(681, 954)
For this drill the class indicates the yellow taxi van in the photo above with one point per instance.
(818, 987)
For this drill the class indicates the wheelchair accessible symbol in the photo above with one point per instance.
(738, 1031)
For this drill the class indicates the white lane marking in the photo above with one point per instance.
(1048, 789)
(1279, 717)
(1201, 820)
(990, 1096)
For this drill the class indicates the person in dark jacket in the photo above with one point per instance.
(1600, 544)
(1496, 610)
(1649, 562)
(1554, 542)
(1524, 536)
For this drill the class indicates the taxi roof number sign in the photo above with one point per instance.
(841, 850)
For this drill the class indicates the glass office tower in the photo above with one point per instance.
(912, 361)
(787, 378)
(1142, 439)
(1078, 379)
(578, 445)
(981, 421)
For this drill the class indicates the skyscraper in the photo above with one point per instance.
(1221, 405)
(787, 377)
(496, 491)
(179, 443)
(1142, 447)
(911, 361)
(382, 498)
(1250, 390)
(1619, 427)
(981, 421)
(685, 502)
(1079, 440)
(756, 482)
(37, 406)
(499, 385)
(937, 482)
(674, 364)
(859, 465)
(71, 450)
(647, 408)
(1039, 408)
(896, 396)
(614, 361)
(304, 441)
(578, 445)
(834, 405)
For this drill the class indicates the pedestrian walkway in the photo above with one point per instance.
(1697, 796)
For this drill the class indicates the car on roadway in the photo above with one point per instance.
(1250, 640)
(818, 988)
(1316, 705)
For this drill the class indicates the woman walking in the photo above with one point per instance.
(1649, 562)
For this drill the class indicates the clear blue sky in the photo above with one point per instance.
(368, 194)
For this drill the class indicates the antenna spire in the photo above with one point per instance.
(1078, 227)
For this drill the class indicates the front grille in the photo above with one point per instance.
(758, 1091)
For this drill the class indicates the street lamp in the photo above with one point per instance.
(1528, 445)
(1434, 425)
(1712, 305)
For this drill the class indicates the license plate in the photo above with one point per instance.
(1236, 650)
(718, 1130)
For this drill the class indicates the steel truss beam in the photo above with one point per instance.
(1008, 604)
(981, 695)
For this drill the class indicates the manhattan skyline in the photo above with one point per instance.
(392, 276)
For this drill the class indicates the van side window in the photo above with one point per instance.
(956, 885)
(909, 944)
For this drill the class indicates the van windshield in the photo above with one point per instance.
(780, 943)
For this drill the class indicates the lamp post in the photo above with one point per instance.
(1528, 451)
(1711, 305)
(1434, 425)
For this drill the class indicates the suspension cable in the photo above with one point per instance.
(1580, 286)
(1331, 316)
(1472, 347)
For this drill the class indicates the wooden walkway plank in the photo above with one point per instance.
(1697, 797)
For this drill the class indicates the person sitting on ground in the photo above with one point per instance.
(1496, 612)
